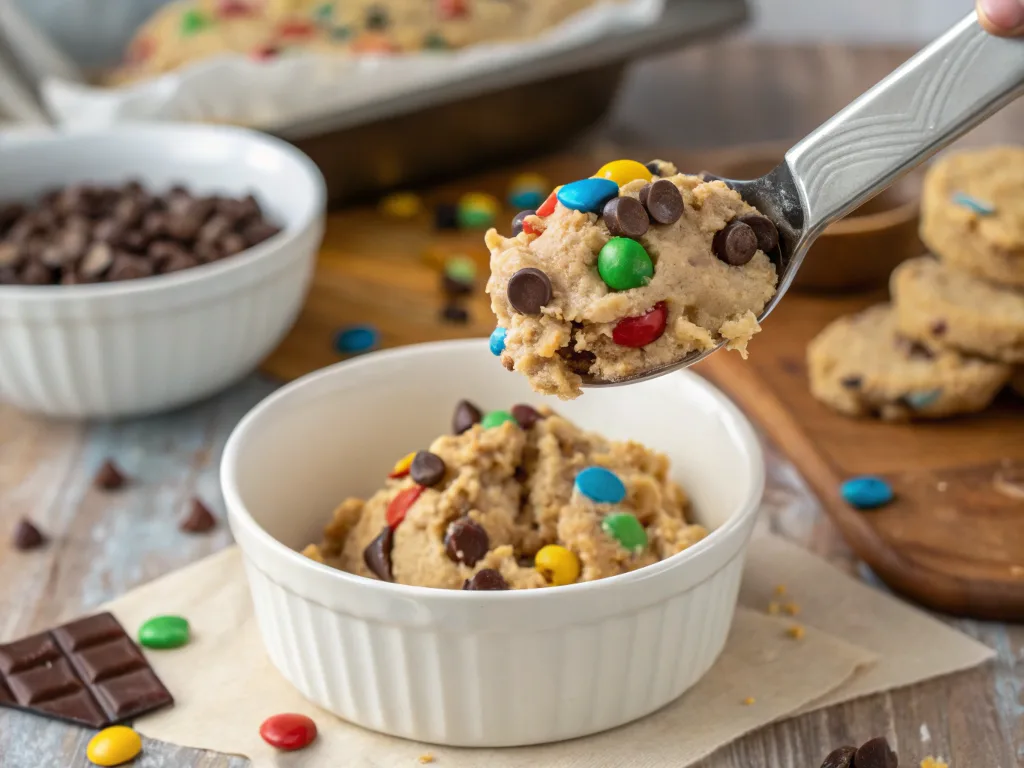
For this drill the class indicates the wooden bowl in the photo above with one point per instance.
(858, 252)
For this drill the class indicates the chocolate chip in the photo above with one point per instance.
(128, 267)
(453, 313)
(707, 176)
(735, 244)
(875, 754)
(663, 201)
(214, 229)
(97, 261)
(851, 382)
(466, 541)
(198, 520)
(767, 233)
(27, 536)
(258, 231)
(427, 469)
(231, 244)
(466, 415)
(625, 217)
(525, 416)
(10, 255)
(446, 216)
(36, 273)
(109, 477)
(517, 221)
(840, 758)
(177, 262)
(529, 289)
(939, 328)
(377, 554)
(486, 580)
(654, 166)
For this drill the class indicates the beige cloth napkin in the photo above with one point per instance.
(225, 686)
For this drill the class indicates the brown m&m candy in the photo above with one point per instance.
(466, 541)
(767, 233)
(427, 468)
(663, 201)
(529, 290)
(735, 244)
(625, 217)
(377, 554)
(487, 579)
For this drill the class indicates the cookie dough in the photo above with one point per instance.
(939, 305)
(862, 366)
(663, 268)
(972, 213)
(187, 31)
(504, 490)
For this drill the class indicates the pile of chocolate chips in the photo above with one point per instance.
(89, 234)
(875, 753)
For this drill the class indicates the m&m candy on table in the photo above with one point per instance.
(288, 731)
(627, 530)
(641, 330)
(623, 171)
(527, 190)
(588, 195)
(496, 419)
(498, 340)
(559, 566)
(164, 632)
(623, 264)
(866, 492)
(600, 485)
(356, 339)
(113, 746)
(477, 210)
(401, 205)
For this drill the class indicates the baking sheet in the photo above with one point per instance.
(235, 89)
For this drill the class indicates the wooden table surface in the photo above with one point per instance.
(105, 544)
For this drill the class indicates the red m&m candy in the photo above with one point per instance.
(548, 206)
(288, 731)
(641, 330)
(400, 505)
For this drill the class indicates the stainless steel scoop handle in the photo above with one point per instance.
(938, 95)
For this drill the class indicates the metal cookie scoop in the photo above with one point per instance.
(934, 98)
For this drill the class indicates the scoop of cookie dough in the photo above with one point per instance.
(629, 278)
(939, 305)
(972, 213)
(504, 493)
(861, 365)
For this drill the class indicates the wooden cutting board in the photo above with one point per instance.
(952, 540)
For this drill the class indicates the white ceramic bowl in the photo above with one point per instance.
(125, 348)
(481, 668)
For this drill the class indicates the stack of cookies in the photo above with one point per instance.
(953, 335)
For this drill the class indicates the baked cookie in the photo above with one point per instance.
(972, 213)
(861, 365)
(627, 271)
(187, 31)
(530, 496)
(953, 309)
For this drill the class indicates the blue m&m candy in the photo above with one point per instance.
(600, 485)
(356, 339)
(498, 340)
(588, 195)
(866, 492)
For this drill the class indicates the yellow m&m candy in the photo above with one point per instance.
(623, 171)
(113, 746)
(558, 565)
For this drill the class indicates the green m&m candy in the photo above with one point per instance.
(496, 419)
(192, 21)
(623, 264)
(164, 632)
(627, 530)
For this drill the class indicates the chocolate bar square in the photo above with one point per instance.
(26, 653)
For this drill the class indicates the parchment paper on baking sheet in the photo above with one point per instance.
(235, 89)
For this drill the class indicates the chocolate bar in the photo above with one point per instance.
(88, 672)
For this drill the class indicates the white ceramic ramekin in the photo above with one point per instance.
(481, 668)
(126, 348)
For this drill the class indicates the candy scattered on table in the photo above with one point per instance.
(735, 243)
(625, 217)
(377, 554)
(663, 201)
(587, 195)
(400, 505)
(623, 171)
(623, 264)
(980, 207)
(529, 290)
(643, 329)
(485, 580)
(113, 746)
(465, 416)
(749, 701)
(356, 339)
(466, 541)
(527, 190)
(429, 758)
(627, 530)
(109, 477)
(427, 469)
(931, 762)
(477, 210)
(27, 536)
(446, 216)
(288, 731)
(164, 632)
(459, 275)
(401, 468)
(401, 205)
(526, 416)
(866, 492)
(453, 313)
(519, 222)
(199, 518)
(497, 340)
(559, 566)
(496, 419)
(600, 485)
(796, 632)
(791, 609)
(87, 672)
